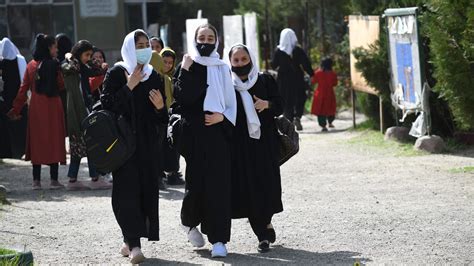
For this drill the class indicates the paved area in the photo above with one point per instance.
(344, 203)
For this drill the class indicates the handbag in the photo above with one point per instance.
(288, 139)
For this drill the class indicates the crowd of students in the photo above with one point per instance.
(229, 138)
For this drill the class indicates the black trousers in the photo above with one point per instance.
(259, 227)
(323, 120)
(53, 171)
(207, 200)
(171, 158)
(294, 108)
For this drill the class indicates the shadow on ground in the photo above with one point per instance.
(283, 256)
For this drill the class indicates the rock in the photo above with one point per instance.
(3, 194)
(397, 134)
(431, 144)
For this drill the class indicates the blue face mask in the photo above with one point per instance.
(143, 55)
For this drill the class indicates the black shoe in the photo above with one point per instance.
(263, 246)
(325, 129)
(161, 184)
(271, 234)
(175, 179)
(297, 123)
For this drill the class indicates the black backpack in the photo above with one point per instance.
(109, 138)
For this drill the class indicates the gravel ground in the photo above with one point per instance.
(344, 203)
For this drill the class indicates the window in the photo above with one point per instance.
(19, 25)
(3, 22)
(63, 20)
(133, 13)
(23, 19)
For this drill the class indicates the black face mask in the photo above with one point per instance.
(205, 49)
(242, 70)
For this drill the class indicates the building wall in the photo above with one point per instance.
(106, 33)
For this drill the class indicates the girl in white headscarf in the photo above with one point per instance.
(256, 181)
(12, 68)
(291, 62)
(205, 95)
(133, 89)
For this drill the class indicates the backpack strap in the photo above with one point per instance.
(134, 121)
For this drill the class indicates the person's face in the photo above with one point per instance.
(156, 46)
(53, 50)
(142, 43)
(239, 58)
(86, 56)
(168, 62)
(98, 58)
(206, 35)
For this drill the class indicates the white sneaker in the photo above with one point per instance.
(194, 236)
(125, 250)
(136, 256)
(219, 250)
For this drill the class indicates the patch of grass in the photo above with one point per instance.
(7, 251)
(374, 139)
(368, 124)
(462, 170)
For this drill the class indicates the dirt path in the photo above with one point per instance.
(343, 203)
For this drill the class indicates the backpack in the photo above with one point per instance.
(109, 138)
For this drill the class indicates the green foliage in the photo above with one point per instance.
(374, 66)
(451, 31)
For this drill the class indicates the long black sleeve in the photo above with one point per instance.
(116, 95)
(188, 86)
(274, 97)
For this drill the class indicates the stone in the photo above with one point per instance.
(431, 144)
(3, 195)
(399, 134)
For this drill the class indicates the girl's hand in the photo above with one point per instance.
(260, 104)
(187, 62)
(157, 99)
(212, 119)
(11, 114)
(136, 77)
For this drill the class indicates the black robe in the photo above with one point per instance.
(13, 140)
(256, 181)
(206, 149)
(291, 79)
(135, 191)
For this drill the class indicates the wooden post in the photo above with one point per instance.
(381, 114)
(353, 108)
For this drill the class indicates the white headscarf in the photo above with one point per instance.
(10, 51)
(220, 95)
(253, 122)
(129, 56)
(288, 41)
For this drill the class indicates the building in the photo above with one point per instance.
(103, 22)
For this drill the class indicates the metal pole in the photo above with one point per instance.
(353, 108)
(381, 114)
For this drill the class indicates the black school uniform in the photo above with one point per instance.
(135, 191)
(256, 181)
(13, 141)
(206, 149)
(291, 80)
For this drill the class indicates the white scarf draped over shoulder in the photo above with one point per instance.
(129, 56)
(253, 122)
(9, 51)
(288, 41)
(220, 94)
